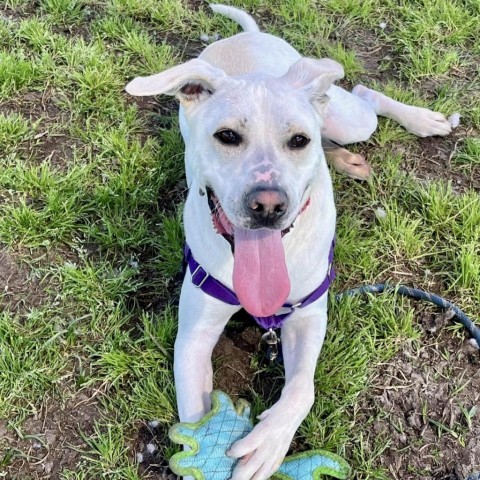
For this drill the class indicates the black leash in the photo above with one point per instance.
(417, 294)
(272, 341)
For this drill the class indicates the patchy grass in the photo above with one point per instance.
(91, 194)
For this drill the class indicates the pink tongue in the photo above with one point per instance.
(260, 277)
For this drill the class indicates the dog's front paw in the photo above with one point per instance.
(262, 451)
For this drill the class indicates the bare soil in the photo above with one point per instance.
(18, 289)
(50, 442)
(432, 159)
(419, 404)
(49, 144)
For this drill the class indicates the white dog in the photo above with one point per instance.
(260, 215)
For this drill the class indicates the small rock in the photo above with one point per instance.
(413, 421)
(133, 263)
(382, 25)
(454, 120)
(424, 356)
(472, 342)
(50, 437)
(378, 428)
(380, 213)
(139, 457)
(47, 467)
(151, 447)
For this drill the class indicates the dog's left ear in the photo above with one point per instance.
(189, 82)
(314, 77)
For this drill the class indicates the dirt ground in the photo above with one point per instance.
(419, 405)
(50, 442)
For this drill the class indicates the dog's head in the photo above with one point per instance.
(262, 133)
(253, 144)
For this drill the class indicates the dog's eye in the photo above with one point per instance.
(228, 137)
(298, 141)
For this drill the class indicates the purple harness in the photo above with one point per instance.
(211, 286)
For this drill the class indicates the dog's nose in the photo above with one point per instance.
(266, 205)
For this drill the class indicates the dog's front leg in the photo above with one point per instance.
(201, 322)
(262, 451)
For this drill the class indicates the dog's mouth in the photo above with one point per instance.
(222, 224)
(260, 276)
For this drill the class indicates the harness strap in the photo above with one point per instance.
(211, 286)
(203, 280)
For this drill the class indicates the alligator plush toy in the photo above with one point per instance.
(226, 423)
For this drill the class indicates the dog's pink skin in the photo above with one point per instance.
(266, 177)
(265, 172)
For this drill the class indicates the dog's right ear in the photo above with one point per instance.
(190, 82)
(314, 77)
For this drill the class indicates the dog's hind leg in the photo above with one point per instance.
(347, 118)
(351, 164)
(419, 121)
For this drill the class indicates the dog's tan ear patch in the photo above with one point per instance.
(189, 82)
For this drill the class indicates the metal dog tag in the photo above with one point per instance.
(271, 339)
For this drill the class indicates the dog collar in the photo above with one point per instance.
(211, 286)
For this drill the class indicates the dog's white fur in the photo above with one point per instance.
(258, 85)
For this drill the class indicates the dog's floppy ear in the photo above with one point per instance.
(189, 82)
(314, 76)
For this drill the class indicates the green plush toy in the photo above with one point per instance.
(215, 433)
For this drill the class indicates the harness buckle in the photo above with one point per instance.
(289, 309)
(199, 269)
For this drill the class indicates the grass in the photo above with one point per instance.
(91, 194)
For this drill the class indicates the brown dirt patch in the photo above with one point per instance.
(418, 403)
(48, 443)
(432, 159)
(153, 464)
(232, 362)
(19, 290)
(51, 142)
(371, 49)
